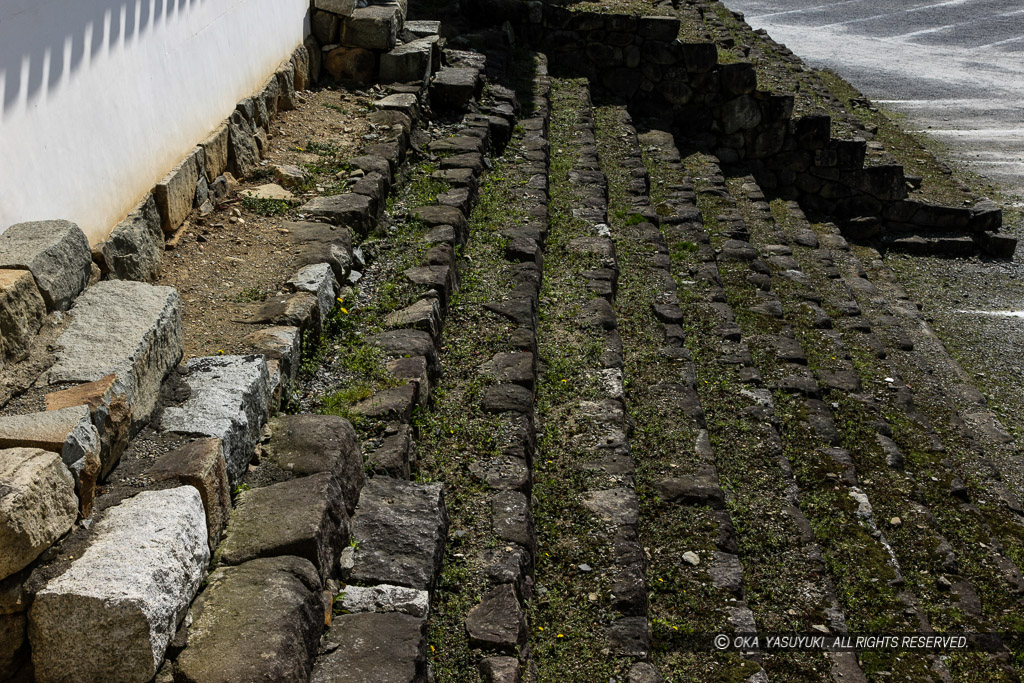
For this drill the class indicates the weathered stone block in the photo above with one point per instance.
(175, 194)
(658, 28)
(453, 88)
(374, 27)
(317, 279)
(56, 252)
(285, 76)
(200, 464)
(385, 598)
(350, 210)
(383, 648)
(408, 63)
(229, 400)
(111, 615)
(243, 155)
(401, 528)
(129, 329)
(281, 343)
(21, 312)
(135, 247)
(327, 24)
(70, 433)
(37, 505)
(110, 413)
(394, 404)
(497, 623)
(215, 149)
(260, 621)
(309, 444)
(12, 640)
(424, 315)
(351, 64)
(301, 310)
(304, 517)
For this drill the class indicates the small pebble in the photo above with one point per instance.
(691, 558)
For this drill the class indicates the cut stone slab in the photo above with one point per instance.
(408, 63)
(385, 598)
(215, 153)
(282, 343)
(374, 27)
(21, 312)
(497, 623)
(270, 191)
(423, 27)
(512, 519)
(175, 194)
(243, 155)
(350, 210)
(37, 505)
(392, 457)
(134, 250)
(374, 648)
(229, 401)
(424, 315)
(304, 517)
(400, 528)
(310, 444)
(501, 398)
(111, 414)
(405, 342)
(317, 279)
(301, 310)
(517, 368)
(395, 404)
(69, 432)
(136, 579)
(453, 88)
(259, 621)
(57, 254)
(200, 464)
(617, 506)
(501, 670)
(129, 329)
(323, 243)
(342, 7)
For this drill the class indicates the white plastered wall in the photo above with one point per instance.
(100, 98)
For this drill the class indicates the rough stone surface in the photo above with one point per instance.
(301, 310)
(342, 7)
(408, 63)
(385, 598)
(396, 403)
(317, 279)
(407, 342)
(453, 88)
(323, 243)
(512, 519)
(374, 648)
(353, 64)
(374, 27)
(69, 432)
(392, 457)
(37, 505)
(260, 621)
(12, 640)
(350, 210)
(401, 528)
(229, 401)
(282, 343)
(215, 151)
(111, 615)
(108, 406)
(200, 464)
(175, 194)
(129, 329)
(56, 252)
(134, 250)
(304, 517)
(309, 444)
(424, 315)
(497, 623)
(243, 155)
(501, 670)
(21, 312)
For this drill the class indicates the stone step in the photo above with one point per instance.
(399, 531)
(129, 329)
(365, 647)
(137, 577)
(227, 398)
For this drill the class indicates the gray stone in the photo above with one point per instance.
(69, 432)
(317, 279)
(408, 63)
(406, 342)
(323, 243)
(12, 640)
(37, 505)
(21, 312)
(304, 517)
(698, 489)
(111, 615)
(423, 28)
(229, 400)
(175, 194)
(617, 506)
(374, 648)
(110, 413)
(243, 155)
(326, 25)
(424, 315)
(301, 310)
(512, 520)
(393, 456)
(374, 27)
(350, 210)
(215, 152)
(282, 343)
(644, 672)
(56, 252)
(308, 444)
(400, 528)
(740, 113)
(260, 621)
(453, 88)
(630, 637)
(395, 404)
(501, 670)
(501, 398)
(135, 247)
(497, 623)
(200, 464)
(129, 329)
(385, 598)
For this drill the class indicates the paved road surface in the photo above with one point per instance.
(955, 67)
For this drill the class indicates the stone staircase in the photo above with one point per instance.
(571, 402)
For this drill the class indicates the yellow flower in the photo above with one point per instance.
(560, 636)
(540, 628)
(343, 310)
(220, 351)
